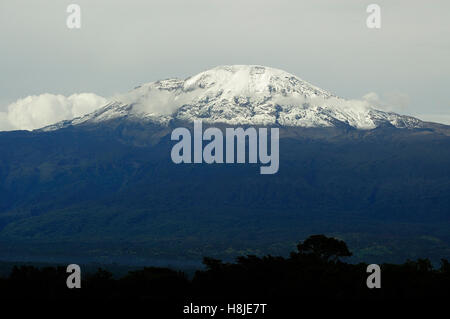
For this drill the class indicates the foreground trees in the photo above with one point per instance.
(315, 270)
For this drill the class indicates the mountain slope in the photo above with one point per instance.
(102, 188)
(106, 183)
(243, 95)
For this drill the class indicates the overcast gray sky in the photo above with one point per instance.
(122, 44)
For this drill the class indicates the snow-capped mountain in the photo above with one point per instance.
(242, 94)
(109, 177)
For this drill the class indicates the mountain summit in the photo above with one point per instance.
(243, 95)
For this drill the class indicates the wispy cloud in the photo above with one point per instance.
(437, 118)
(393, 101)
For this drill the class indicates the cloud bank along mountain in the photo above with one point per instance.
(37, 111)
(235, 95)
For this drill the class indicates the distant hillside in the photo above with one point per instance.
(112, 188)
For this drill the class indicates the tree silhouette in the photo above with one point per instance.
(445, 266)
(314, 271)
(212, 264)
(324, 248)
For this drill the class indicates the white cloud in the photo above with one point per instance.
(437, 118)
(393, 102)
(37, 111)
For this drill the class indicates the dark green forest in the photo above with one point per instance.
(112, 192)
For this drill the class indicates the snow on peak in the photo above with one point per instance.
(244, 95)
(251, 80)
